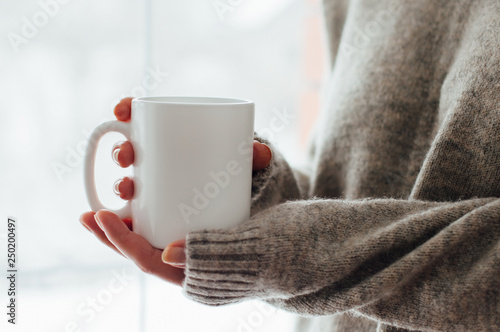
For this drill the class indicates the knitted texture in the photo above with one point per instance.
(398, 226)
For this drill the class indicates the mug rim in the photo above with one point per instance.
(192, 100)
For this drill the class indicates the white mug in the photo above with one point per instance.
(192, 167)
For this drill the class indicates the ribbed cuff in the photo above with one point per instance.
(223, 266)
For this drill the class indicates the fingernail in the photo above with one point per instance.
(267, 149)
(174, 256)
(97, 220)
(115, 152)
(262, 148)
(264, 156)
(87, 228)
(116, 186)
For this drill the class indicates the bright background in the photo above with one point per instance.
(66, 76)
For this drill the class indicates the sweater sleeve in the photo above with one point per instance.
(410, 263)
(277, 183)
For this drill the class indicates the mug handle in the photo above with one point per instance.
(89, 177)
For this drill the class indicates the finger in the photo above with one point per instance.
(261, 156)
(123, 154)
(124, 188)
(174, 254)
(88, 221)
(178, 243)
(128, 222)
(136, 248)
(123, 109)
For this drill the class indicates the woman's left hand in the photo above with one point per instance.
(166, 264)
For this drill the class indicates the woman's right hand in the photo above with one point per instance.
(123, 153)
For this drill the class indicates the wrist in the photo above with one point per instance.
(224, 266)
(250, 260)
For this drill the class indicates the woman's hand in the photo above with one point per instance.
(113, 232)
(117, 234)
(123, 153)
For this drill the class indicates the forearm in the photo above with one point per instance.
(389, 259)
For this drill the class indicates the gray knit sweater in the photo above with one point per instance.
(397, 223)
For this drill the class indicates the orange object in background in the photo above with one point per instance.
(313, 68)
